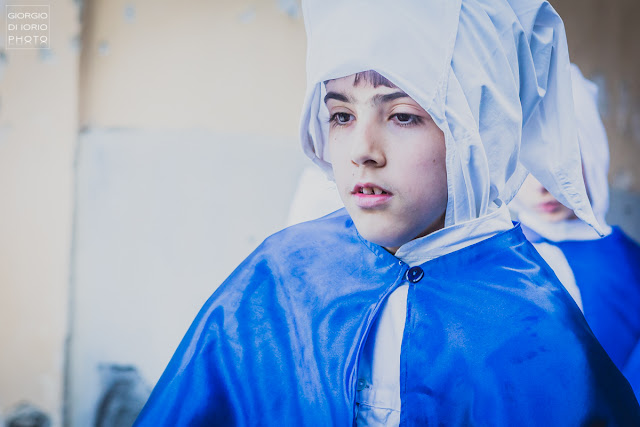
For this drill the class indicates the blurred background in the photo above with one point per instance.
(148, 150)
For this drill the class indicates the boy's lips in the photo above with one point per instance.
(369, 195)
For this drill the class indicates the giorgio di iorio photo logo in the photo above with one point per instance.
(28, 27)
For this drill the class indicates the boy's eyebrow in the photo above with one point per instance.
(337, 96)
(380, 99)
(377, 99)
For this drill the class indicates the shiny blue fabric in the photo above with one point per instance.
(607, 272)
(491, 338)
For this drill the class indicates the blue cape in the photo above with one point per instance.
(607, 272)
(491, 338)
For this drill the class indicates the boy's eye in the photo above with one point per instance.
(341, 118)
(405, 119)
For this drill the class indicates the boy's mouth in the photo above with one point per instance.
(370, 196)
(369, 190)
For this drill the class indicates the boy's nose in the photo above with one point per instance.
(367, 147)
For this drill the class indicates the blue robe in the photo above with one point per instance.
(607, 272)
(491, 338)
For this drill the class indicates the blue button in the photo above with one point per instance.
(415, 274)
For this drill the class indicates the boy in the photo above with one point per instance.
(601, 274)
(420, 304)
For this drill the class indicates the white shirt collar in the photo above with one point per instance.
(455, 237)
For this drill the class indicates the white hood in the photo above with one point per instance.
(493, 74)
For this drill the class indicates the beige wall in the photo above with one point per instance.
(38, 128)
(187, 160)
(603, 40)
(217, 66)
(232, 66)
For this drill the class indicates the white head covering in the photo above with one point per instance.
(594, 145)
(594, 149)
(493, 75)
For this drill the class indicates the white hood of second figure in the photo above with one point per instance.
(493, 74)
(594, 145)
(594, 149)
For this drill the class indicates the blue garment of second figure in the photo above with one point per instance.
(602, 274)
(607, 272)
(491, 338)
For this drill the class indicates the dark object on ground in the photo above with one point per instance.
(27, 415)
(125, 393)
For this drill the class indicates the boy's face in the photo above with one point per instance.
(388, 158)
(535, 198)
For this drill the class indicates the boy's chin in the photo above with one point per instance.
(388, 241)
